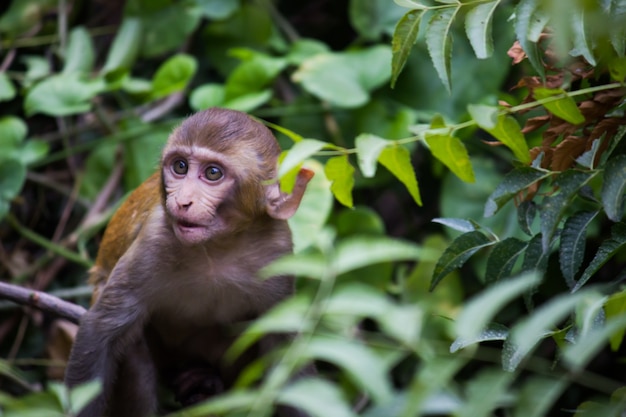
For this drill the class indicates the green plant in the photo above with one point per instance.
(515, 307)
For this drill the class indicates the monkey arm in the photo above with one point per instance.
(107, 333)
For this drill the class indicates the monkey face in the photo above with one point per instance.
(197, 184)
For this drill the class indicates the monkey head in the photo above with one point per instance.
(217, 176)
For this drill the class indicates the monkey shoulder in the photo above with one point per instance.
(123, 229)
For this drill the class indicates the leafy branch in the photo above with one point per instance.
(437, 136)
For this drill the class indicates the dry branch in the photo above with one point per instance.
(42, 301)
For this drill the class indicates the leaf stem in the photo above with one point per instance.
(470, 123)
(46, 243)
(50, 39)
(285, 368)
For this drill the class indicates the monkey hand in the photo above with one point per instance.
(197, 384)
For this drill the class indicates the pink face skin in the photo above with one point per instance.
(197, 182)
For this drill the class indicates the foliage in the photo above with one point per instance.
(504, 293)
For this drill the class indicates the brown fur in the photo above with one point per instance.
(167, 297)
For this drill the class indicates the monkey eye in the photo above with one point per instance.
(213, 173)
(180, 166)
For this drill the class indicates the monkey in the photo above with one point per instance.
(177, 265)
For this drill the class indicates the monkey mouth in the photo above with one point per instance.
(184, 224)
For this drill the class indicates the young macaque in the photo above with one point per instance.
(177, 268)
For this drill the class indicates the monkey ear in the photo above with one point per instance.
(281, 205)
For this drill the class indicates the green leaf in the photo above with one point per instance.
(403, 323)
(439, 42)
(33, 151)
(508, 131)
(461, 225)
(12, 177)
(218, 9)
(535, 258)
(526, 213)
(303, 49)
(286, 317)
(527, 333)
(13, 130)
(492, 333)
(481, 309)
(372, 19)
(306, 393)
(80, 54)
(82, 395)
(235, 402)
(361, 365)
(616, 306)
(361, 220)
(250, 101)
(433, 376)
(553, 207)
(614, 187)
(357, 252)
(565, 107)
(512, 184)
(97, 168)
(137, 86)
(485, 393)
(141, 157)
(12, 373)
(451, 151)
(397, 160)
(298, 153)
(588, 158)
(486, 117)
(529, 20)
(583, 44)
(589, 314)
(255, 73)
(618, 32)
(368, 149)
(538, 395)
(37, 67)
(357, 300)
(166, 25)
(317, 203)
(573, 241)
(459, 251)
(606, 251)
(287, 132)
(478, 28)
(125, 47)
(62, 95)
(34, 405)
(22, 16)
(345, 79)
(580, 353)
(613, 144)
(298, 264)
(207, 95)
(173, 75)
(7, 89)
(412, 4)
(617, 67)
(503, 257)
(341, 174)
(404, 38)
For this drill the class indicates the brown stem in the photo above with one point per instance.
(42, 301)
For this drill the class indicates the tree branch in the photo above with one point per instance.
(42, 301)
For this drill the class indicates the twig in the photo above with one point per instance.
(42, 301)
(42, 241)
(19, 338)
(155, 112)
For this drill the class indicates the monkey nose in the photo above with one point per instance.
(184, 205)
